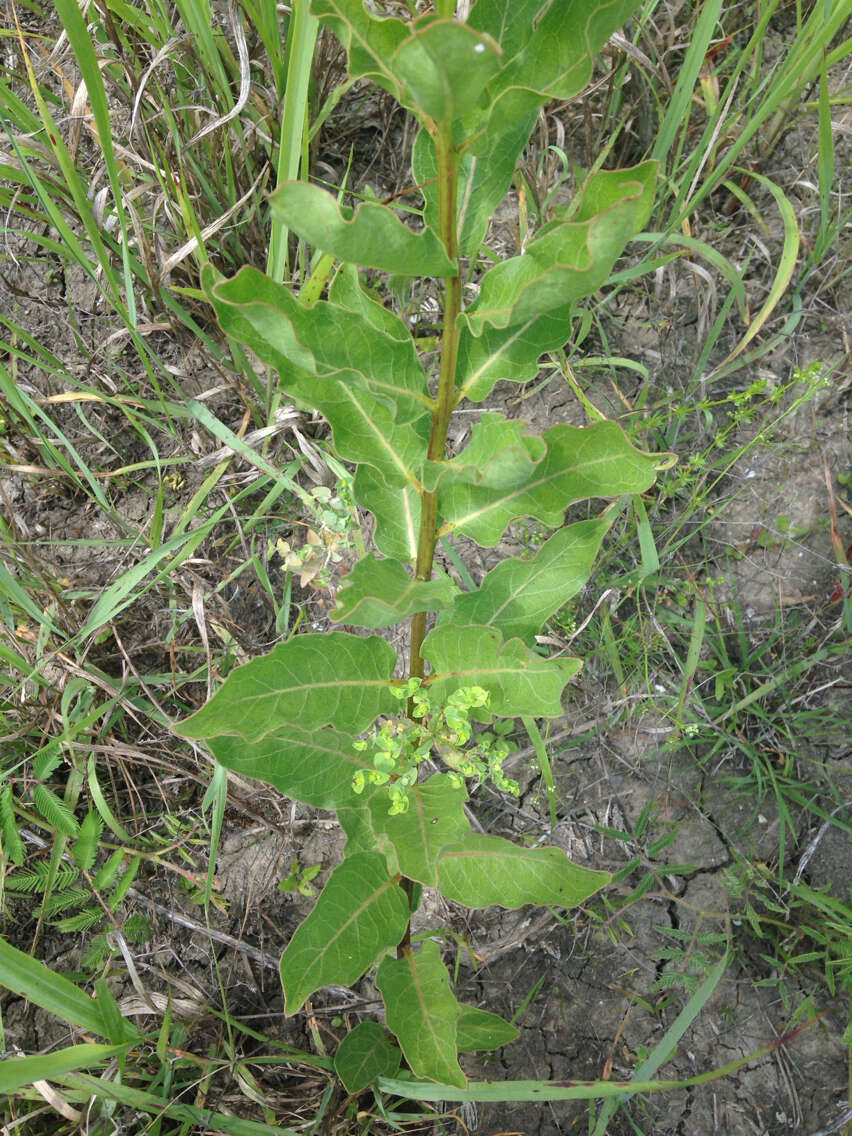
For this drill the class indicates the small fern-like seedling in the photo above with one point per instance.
(36, 879)
(61, 888)
(55, 811)
(11, 845)
(85, 847)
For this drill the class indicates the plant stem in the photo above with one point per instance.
(448, 160)
(448, 165)
(405, 941)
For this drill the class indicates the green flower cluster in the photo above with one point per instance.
(399, 745)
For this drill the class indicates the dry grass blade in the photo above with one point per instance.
(235, 21)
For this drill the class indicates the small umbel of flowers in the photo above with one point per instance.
(400, 745)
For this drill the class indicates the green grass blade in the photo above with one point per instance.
(693, 656)
(12, 591)
(34, 414)
(229, 438)
(647, 545)
(176, 1110)
(780, 93)
(18, 1072)
(497, 1091)
(123, 591)
(263, 16)
(104, 811)
(786, 266)
(216, 795)
(825, 156)
(78, 36)
(183, 542)
(534, 734)
(301, 37)
(788, 674)
(733, 276)
(34, 981)
(678, 109)
(199, 19)
(668, 1043)
(84, 210)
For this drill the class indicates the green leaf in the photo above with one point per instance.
(137, 929)
(484, 179)
(57, 902)
(608, 189)
(366, 1053)
(480, 1029)
(356, 822)
(510, 25)
(119, 1029)
(10, 839)
(85, 847)
(520, 594)
(47, 760)
(315, 767)
(443, 68)
(348, 291)
(41, 876)
(437, 67)
(257, 311)
(369, 41)
(380, 593)
(518, 681)
(499, 455)
(553, 61)
(396, 511)
(422, 1011)
(123, 885)
(31, 979)
(435, 818)
(55, 811)
(370, 386)
(509, 354)
(327, 340)
(348, 347)
(361, 912)
(367, 432)
(593, 461)
(310, 681)
(373, 238)
(108, 871)
(569, 259)
(486, 871)
(18, 1072)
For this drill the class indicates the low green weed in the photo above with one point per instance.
(794, 928)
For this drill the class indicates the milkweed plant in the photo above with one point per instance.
(337, 720)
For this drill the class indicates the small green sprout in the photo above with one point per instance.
(300, 879)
